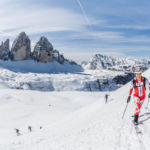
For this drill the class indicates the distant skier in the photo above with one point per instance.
(106, 98)
(17, 132)
(138, 84)
(30, 128)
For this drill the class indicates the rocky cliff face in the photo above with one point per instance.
(4, 50)
(43, 51)
(21, 48)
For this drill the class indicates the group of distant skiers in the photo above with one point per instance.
(18, 131)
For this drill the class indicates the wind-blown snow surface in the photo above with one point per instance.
(70, 121)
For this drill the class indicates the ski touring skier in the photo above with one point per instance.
(106, 98)
(138, 87)
(17, 132)
(30, 128)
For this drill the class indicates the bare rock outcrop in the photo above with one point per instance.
(21, 48)
(43, 51)
(4, 50)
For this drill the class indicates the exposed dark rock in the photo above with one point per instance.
(4, 50)
(43, 51)
(21, 48)
(123, 79)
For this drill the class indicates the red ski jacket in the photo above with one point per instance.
(138, 88)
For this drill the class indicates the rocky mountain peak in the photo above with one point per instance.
(21, 47)
(43, 50)
(4, 50)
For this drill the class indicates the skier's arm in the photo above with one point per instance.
(130, 92)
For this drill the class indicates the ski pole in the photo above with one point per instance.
(124, 110)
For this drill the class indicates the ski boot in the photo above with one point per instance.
(136, 119)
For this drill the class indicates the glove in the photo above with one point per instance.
(149, 95)
(128, 100)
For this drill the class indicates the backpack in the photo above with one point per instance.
(144, 81)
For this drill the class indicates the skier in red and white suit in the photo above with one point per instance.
(138, 87)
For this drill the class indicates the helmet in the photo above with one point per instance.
(137, 70)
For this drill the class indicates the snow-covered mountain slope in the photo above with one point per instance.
(71, 121)
(28, 66)
(100, 61)
(15, 75)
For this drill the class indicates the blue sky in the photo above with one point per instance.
(81, 28)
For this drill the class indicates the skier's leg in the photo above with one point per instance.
(137, 105)
(137, 110)
(138, 102)
(141, 101)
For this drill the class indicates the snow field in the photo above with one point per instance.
(70, 120)
(18, 109)
(75, 120)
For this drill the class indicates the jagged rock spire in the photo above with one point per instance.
(21, 47)
(43, 50)
(4, 50)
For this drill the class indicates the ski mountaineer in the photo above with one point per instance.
(138, 87)
(106, 98)
(17, 132)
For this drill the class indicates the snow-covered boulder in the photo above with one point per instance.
(43, 50)
(21, 48)
(4, 50)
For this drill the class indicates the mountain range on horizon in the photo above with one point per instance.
(101, 61)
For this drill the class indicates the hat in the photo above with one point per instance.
(137, 70)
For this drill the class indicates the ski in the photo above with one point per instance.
(136, 127)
